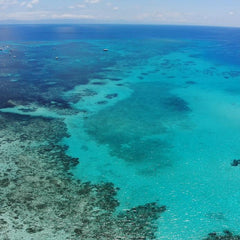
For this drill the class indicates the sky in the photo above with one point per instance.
(182, 12)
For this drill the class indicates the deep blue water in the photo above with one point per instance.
(227, 48)
(157, 115)
(63, 32)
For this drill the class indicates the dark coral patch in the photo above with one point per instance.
(110, 96)
(177, 104)
(102, 102)
(115, 79)
(235, 162)
(227, 235)
(98, 83)
(143, 216)
(190, 82)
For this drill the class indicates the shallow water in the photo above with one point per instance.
(157, 115)
(170, 143)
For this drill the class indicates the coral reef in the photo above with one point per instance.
(235, 162)
(110, 96)
(41, 200)
(144, 113)
(227, 235)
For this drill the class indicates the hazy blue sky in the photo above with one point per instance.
(200, 12)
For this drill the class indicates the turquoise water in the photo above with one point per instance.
(158, 117)
(170, 138)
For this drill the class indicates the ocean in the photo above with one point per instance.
(156, 115)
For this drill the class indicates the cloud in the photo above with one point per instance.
(43, 15)
(23, 3)
(25, 15)
(7, 3)
(92, 1)
(115, 8)
(164, 17)
(71, 16)
(77, 6)
(32, 3)
(81, 6)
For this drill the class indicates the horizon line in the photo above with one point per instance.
(109, 23)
